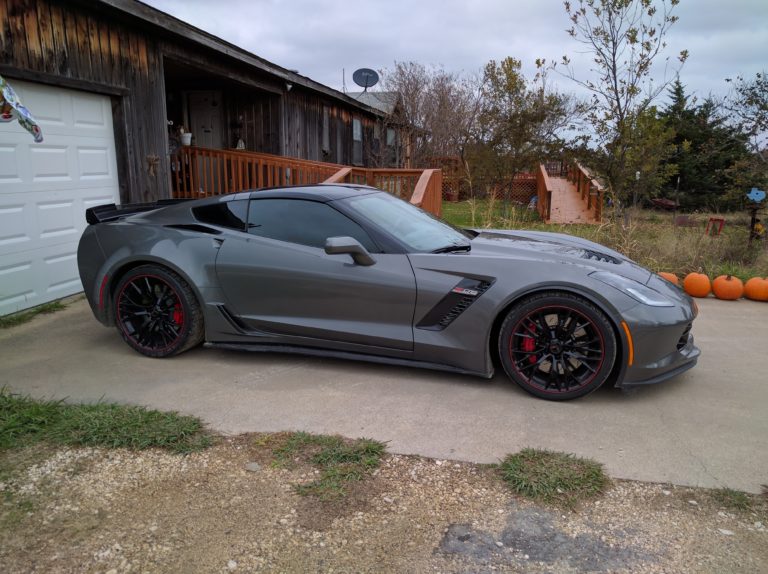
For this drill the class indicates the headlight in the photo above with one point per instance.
(634, 289)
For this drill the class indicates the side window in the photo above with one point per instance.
(226, 214)
(357, 142)
(304, 222)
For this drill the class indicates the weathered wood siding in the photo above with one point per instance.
(304, 124)
(91, 46)
(63, 43)
(256, 119)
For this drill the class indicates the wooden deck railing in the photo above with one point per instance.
(421, 187)
(543, 193)
(201, 172)
(588, 187)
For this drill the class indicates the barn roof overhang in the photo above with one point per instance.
(187, 33)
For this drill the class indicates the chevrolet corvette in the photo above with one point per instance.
(353, 272)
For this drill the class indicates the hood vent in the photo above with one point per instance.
(596, 256)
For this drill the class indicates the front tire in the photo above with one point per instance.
(156, 312)
(557, 346)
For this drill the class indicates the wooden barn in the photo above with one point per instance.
(112, 83)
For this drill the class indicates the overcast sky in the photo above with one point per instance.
(320, 38)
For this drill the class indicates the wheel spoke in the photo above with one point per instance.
(146, 308)
(566, 345)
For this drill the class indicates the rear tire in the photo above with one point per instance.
(557, 346)
(156, 312)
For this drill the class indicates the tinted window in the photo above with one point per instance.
(418, 230)
(226, 214)
(305, 222)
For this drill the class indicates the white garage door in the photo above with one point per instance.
(45, 189)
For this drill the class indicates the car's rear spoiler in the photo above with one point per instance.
(110, 211)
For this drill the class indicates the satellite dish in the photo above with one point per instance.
(365, 78)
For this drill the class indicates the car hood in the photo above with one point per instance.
(555, 247)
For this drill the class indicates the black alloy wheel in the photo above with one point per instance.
(156, 312)
(557, 346)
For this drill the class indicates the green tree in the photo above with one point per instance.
(521, 123)
(707, 147)
(624, 38)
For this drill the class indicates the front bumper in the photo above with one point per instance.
(669, 366)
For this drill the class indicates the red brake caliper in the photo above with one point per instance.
(178, 315)
(529, 345)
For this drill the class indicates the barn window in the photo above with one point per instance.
(326, 131)
(357, 142)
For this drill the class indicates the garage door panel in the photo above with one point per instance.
(16, 221)
(94, 163)
(41, 219)
(88, 112)
(60, 272)
(19, 277)
(56, 218)
(9, 165)
(48, 106)
(46, 188)
(50, 163)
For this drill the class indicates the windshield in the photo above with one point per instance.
(413, 227)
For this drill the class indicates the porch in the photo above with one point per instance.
(202, 172)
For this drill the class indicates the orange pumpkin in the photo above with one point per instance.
(756, 289)
(697, 285)
(728, 287)
(671, 277)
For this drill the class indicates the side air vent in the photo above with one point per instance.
(458, 300)
(683, 341)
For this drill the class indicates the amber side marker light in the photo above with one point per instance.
(631, 345)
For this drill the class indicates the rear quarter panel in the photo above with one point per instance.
(126, 245)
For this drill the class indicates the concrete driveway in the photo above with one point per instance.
(707, 427)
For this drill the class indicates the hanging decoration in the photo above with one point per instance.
(12, 109)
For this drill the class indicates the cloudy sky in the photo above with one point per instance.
(320, 38)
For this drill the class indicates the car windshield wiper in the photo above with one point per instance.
(453, 248)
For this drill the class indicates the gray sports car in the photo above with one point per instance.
(351, 271)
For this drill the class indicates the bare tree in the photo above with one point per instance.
(748, 105)
(437, 109)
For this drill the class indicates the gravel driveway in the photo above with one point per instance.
(227, 510)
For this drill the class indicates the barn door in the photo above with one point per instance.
(206, 118)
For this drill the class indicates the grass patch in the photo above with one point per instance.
(26, 316)
(732, 499)
(553, 477)
(25, 421)
(490, 214)
(338, 460)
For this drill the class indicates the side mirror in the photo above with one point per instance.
(351, 246)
